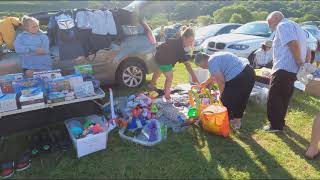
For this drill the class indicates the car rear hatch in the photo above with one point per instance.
(136, 8)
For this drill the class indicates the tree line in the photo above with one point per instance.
(195, 12)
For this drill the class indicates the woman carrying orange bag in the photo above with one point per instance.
(234, 78)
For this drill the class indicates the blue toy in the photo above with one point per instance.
(76, 128)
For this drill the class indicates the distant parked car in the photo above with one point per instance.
(202, 34)
(314, 30)
(312, 23)
(169, 31)
(312, 42)
(243, 41)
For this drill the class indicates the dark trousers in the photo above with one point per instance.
(280, 93)
(237, 92)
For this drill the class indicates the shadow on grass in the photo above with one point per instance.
(273, 168)
(289, 136)
(231, 156)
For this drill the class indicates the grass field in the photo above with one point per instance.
(249, 153)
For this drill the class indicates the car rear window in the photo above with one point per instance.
(132, 30)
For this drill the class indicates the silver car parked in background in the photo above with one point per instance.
(126, 62)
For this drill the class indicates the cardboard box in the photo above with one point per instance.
(313, 87)
(8, 102)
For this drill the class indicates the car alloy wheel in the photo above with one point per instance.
(132, 76)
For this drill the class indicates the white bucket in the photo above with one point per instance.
(201, 74)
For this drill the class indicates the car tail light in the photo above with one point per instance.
(150, 35)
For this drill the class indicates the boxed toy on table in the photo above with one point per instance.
(31, 100)
(88, 134)
(8, 102)
(74, 80)
(48, 75)
(83, 69)
(24, 85)
(59, 89)
(30, 92)
(84, 89)
(6, 82)
(87, 73)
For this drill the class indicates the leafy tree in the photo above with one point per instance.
(158, 20)
(204, 20)
(260, 15)
(236, 18)
(224, 14)
(310, 17)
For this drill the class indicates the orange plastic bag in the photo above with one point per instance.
(215, 119)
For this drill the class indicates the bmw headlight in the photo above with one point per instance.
(238, 46)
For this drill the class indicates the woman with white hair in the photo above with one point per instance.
(33, 46)
(263, 56)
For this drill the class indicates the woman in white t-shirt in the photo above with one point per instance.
(263, 56)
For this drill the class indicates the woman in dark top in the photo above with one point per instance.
(171, 52)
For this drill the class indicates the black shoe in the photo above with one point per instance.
(269, 129)
(54, 141)
(44, 142)
(34, 145)
(62, 138)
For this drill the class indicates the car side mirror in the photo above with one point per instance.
(232, 30)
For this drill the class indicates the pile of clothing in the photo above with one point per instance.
(82, 32)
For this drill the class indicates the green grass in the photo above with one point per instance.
(249, 153)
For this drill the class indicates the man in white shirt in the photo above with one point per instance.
(289, 54)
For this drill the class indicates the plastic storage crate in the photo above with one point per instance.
(90, 143)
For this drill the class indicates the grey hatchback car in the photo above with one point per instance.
(126, 62)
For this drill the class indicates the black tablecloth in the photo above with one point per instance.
(43, 117)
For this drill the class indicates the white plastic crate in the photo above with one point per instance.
(201, 74)
(91, 143)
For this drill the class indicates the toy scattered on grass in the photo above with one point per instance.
(137, 120)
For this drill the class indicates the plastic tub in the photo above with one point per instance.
(140, 141)
(91, 143)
